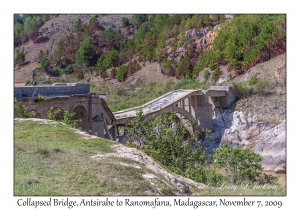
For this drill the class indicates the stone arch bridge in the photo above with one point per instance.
(97, 118)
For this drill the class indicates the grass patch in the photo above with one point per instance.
(54, 160)
(117, 100)
(255, 86)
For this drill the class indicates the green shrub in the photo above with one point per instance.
(20, 57)
(125, 21)
(149, 53)
(59, 52)
(86, 51)
(53, 113)
(107, 61)
(206, 74)
(216, 73)
(185, 64)
(45, 63)
(68, 70)
(240, 164)
(169, 145)
(121, 74)
(42, 98)
(204, 174)
(68, 119)
(94, 23)
(241, 89)
(78, 25)
(113, 37)
(185, 83)
(22, 110)
(253, 80)
(255, 86)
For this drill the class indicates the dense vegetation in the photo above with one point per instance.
(240, 41)
(166, 139)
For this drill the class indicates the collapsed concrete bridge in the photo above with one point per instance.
(188, 104)
(97, 118)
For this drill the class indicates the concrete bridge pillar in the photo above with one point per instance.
(114, 132)
(202, 112)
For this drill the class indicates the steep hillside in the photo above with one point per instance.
(74, 47)
(257, 120)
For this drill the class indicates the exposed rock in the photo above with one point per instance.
(206, 41)
(280, 168)
(228, 16)
(200, 39)
(193, 33)
(263, 138)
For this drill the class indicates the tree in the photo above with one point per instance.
(20, 58)
(45, 63)
(113, 37)
(59, 52)
(164, 138)
(78, 25)
(124, 21)
(185, 64)
(138, 19)
(240, 164)
(31, 26)
(18, 18)
(86, 51)
(121, 73)
(149, 53)
(66, 117)
(107, 61)
(94, 23)
(143, 29)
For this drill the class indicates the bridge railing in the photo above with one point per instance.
(33, 91)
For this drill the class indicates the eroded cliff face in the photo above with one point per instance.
(264, 138)
(257, 122)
